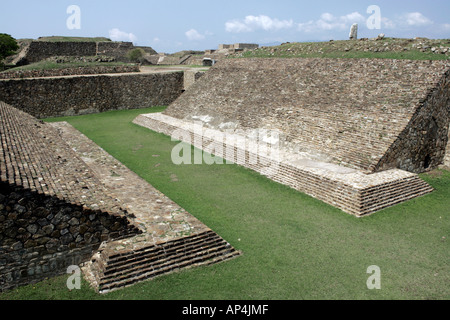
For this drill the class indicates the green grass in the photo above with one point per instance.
(294, 247)
(51, 65)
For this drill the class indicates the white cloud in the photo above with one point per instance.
(254, 23)
(387, 23)
(354, 17)
(194, 35)
(416, 19)
(329, 22)
(117, 35)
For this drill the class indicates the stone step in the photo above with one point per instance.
(198, 261)
(150, 269)
(391, 197)
(164, 262)
(158, 253)
(112, 270)
(125, 255)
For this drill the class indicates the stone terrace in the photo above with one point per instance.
(348, 189)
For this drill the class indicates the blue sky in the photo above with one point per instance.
(171, 26)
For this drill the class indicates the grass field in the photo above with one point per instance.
(294, 247)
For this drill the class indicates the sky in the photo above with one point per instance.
(172, 26)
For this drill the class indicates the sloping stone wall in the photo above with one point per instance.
(347, 189)
(40, 50)
(422, 144)
(54, 212)
(346, 111)
(64, 96)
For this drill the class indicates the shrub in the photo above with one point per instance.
(8, 45)
(136, 55)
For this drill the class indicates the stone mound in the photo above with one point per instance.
(350, 132)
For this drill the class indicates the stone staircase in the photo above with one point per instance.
(111, 270)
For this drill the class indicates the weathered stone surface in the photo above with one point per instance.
(65, 96)
(68, 72)
(351, 190)
(37, 51)
(368, 114)
(40, 209)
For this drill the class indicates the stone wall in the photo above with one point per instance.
(41, 236)
(421, 146)
(40, 50)
(54, 211)
(191, 76)
(68, 71)
(52, 97)
(345, 111)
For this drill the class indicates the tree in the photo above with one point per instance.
(8, 46)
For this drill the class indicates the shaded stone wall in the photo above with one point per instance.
(52, 97)
(41, 236)
(40, 50)
(422, 144)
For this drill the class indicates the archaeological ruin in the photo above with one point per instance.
(59, 209)
(353, 133)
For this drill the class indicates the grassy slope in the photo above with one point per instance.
(385, 49)
(73, 39)
(294, 246)
(50, 65)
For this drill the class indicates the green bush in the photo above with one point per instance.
(136, 55)
(8, 46)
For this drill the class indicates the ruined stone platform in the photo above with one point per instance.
(354, 132)
(171, 238)
(351, 190)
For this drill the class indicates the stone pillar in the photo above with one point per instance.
(354, 32)
(447, 152)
